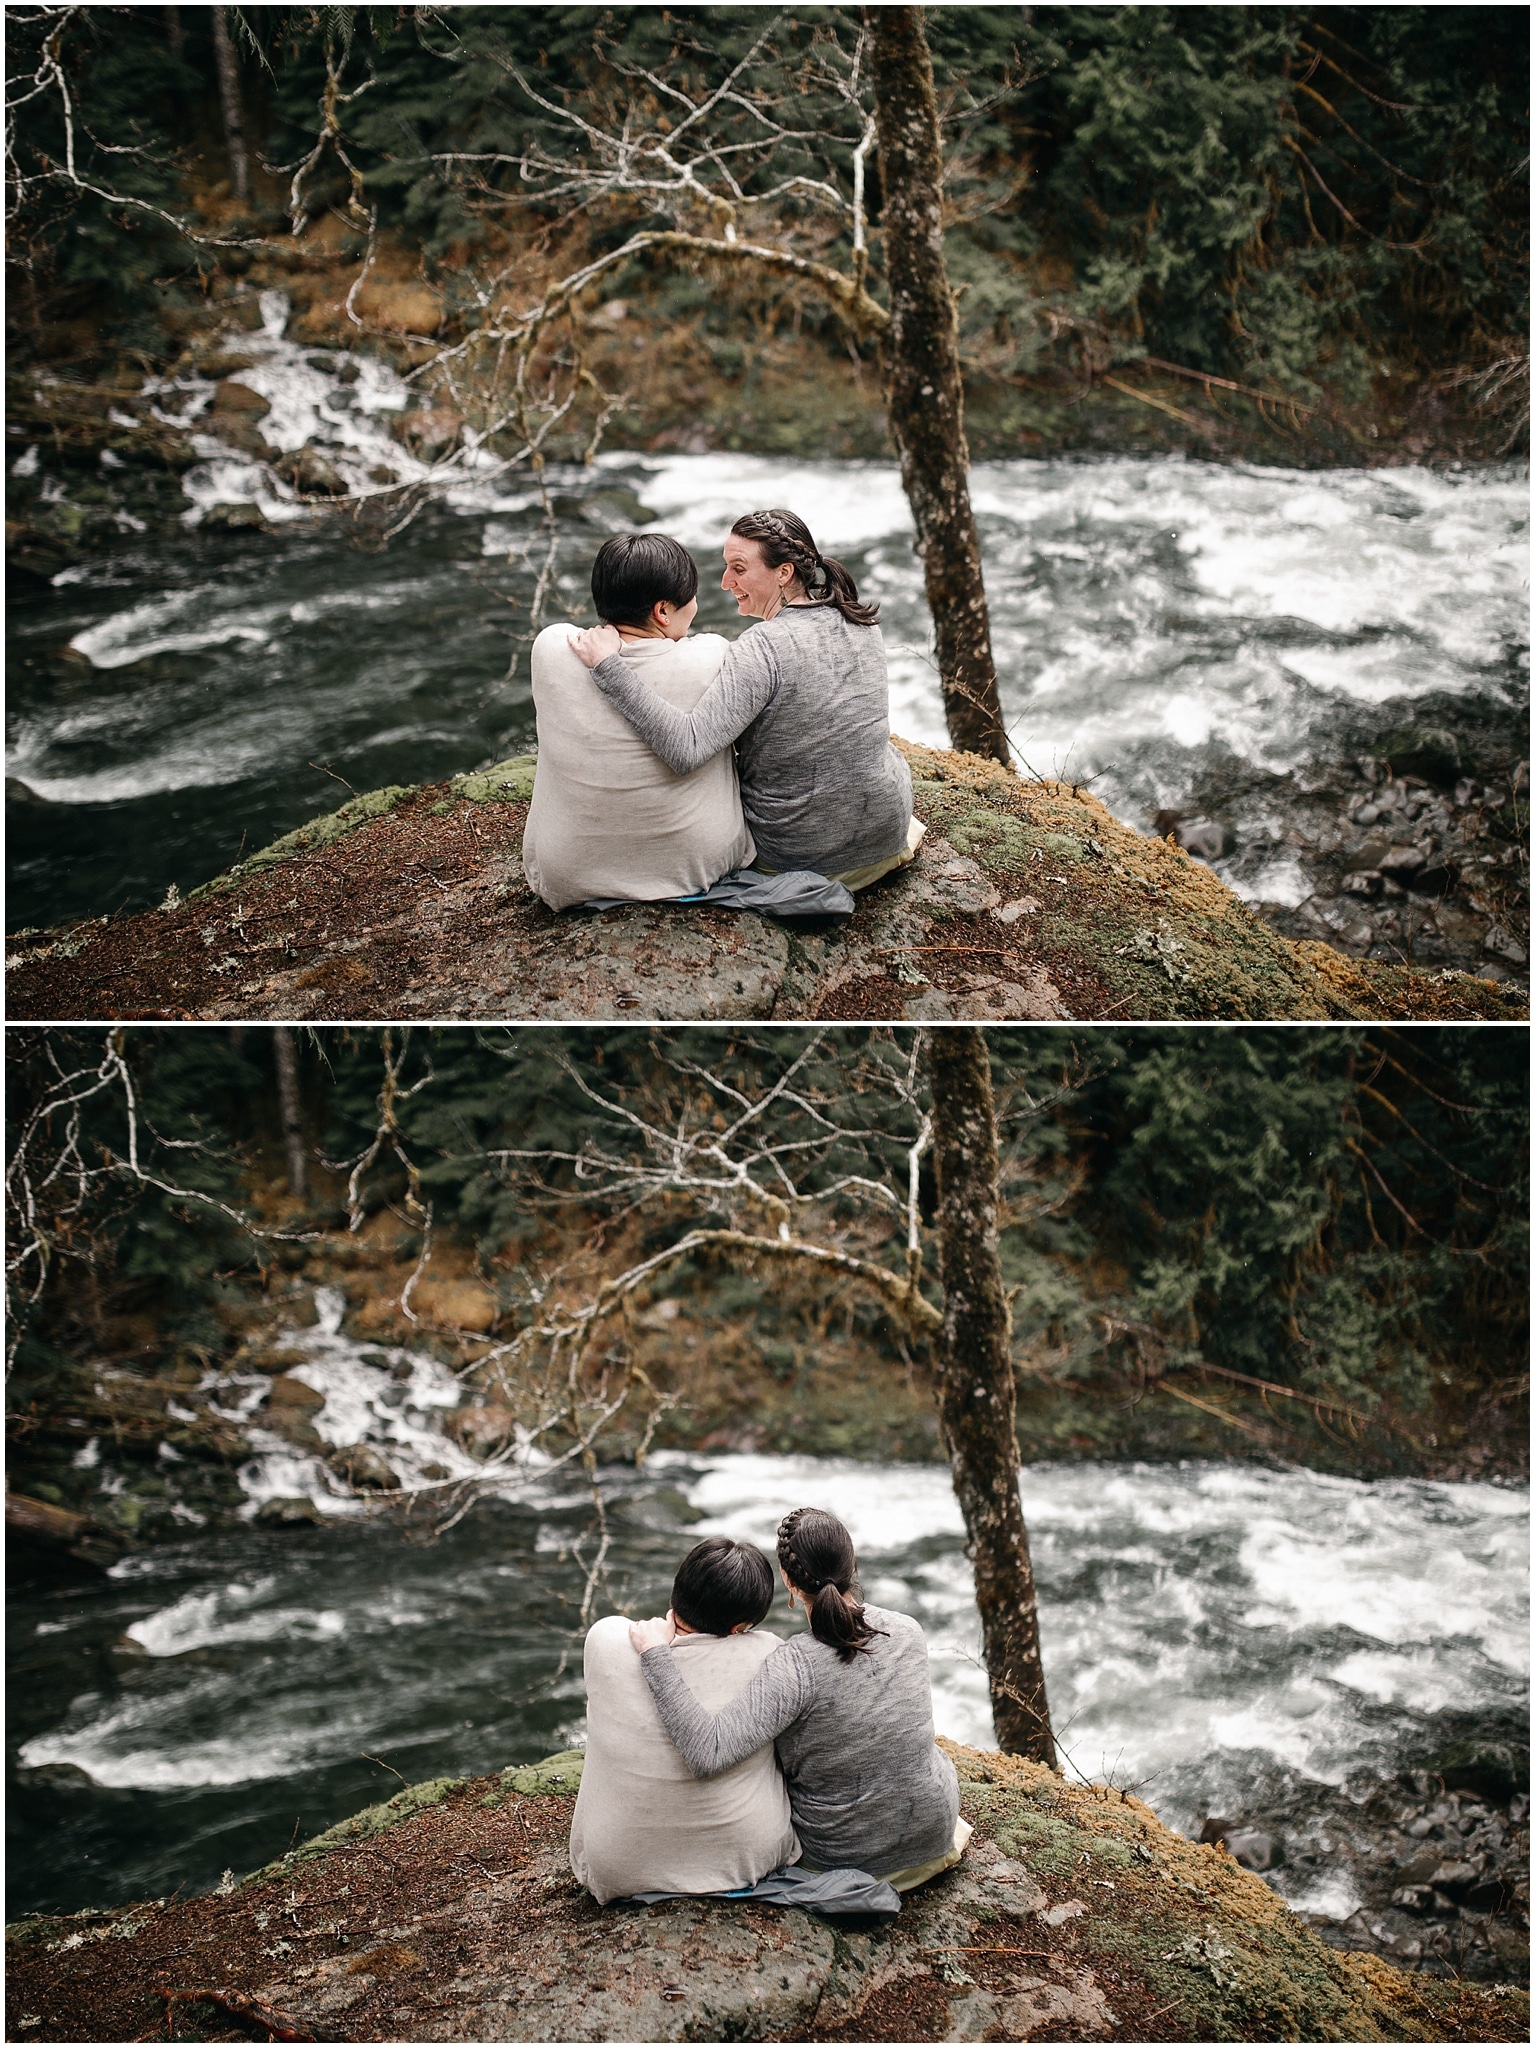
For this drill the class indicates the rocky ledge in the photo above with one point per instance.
(449, 1914)
(1028, 901)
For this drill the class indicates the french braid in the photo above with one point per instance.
(784, 537)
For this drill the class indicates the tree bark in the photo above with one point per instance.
(292, 1128)
(229, 97)
(924, 396)
(976, 1400)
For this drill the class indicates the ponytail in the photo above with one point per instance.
(816, 1553)
(839, 1622)
(784, 537)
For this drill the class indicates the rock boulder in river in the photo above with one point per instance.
(449, 1914)
(413, 903)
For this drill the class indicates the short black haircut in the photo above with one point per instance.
(720, 1584)
(634, 571)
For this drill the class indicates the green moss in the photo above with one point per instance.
(1039, 1838)
(1202, 1935)
(508, 782)
(373, 1820)
(373, 803)
(554, 1775)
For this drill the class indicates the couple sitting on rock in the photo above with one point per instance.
(667, 761)
(721, 1761)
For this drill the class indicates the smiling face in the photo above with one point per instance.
(757, 589)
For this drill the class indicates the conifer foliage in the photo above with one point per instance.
(1299, 200)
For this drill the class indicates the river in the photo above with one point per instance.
(1183, 636)
(1214, 1635)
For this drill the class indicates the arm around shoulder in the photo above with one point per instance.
(746, 682)
(713, 1743)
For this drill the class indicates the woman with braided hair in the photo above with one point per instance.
(849, 1709)
(804, 697)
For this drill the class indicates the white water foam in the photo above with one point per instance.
(383, 1396)
(1143, 609)
(1139, 601)
(1198, 1622)
(124, 1747)
(1186, 1611)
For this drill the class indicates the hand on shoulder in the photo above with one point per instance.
(595, 643)
(652, 1635)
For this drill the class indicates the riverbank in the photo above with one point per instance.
(140, 1441)
(1357, 775)
(1028, 900)
(449, 1913)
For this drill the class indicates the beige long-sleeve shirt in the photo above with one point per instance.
(608, 818)
(642, 1822)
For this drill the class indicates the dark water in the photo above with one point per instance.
(1209, 1632)
(1177, 634)
(300, 1651)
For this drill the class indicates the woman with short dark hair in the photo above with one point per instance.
(805, 699)
(608, 819)
(642, 1822)
(849, 1709)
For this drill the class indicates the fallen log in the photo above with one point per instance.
(59, 1533)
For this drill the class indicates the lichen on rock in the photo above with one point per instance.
(1074, 1914)
(1027, 901)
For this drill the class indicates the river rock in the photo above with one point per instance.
(226, 363)
(238, 517)
(288, 1511)
(363, 1466)
(273, 1359)
(481, 1431)
(234, 400)
(291, 1396)
(1203, 837)
(1427, 751)
(429, 433)
(1253, 1849)
(310, 472)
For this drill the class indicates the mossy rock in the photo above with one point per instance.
(508, 782)
(1203, 1935)
(373, 1820)
(309, 838)
(553, 1777)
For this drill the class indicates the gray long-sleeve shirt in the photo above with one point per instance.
(806, 698)
(868, 1787)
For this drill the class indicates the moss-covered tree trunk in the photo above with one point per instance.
(976, 1401)
(924, 397)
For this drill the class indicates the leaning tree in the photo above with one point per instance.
(805, 1150)
(663, 151)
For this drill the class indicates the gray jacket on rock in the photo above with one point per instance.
(805, 697)
(868, 1787)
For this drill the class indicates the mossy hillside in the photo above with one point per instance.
(309, 837)
(358, 1827)
(503, 782)
(1165, 934)
(1090, 920)
(1220, 1951)
(1183, 945)
(1155, 925)
(1071, 1896)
